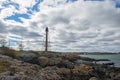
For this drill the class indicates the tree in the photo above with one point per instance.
(2, 42)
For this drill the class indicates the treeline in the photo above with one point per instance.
(98, 53)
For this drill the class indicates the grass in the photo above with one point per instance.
(10, 52)
(4, 65)
(1, 51)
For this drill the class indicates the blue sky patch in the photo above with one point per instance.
(36, 6)
(117, 5)
(16, 17)
(94, 0)
(11, 3)
(15, 37)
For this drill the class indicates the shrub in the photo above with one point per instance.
(4, 65)
(83, 69)
(71, 56)
(65, 64)
(11, 52)
(63, 71)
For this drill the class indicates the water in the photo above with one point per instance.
(115, 58)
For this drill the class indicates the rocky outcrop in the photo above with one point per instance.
(48, 73)
(28, 57)
(54, 67)
(57, 60)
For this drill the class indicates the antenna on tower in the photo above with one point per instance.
(9, 43)
(21, 44)
(46, 42)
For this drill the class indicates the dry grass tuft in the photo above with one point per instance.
(83, 69)
(10, 52)
(71, 56)
(4, 65)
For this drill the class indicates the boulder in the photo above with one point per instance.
(28, 57)
(43, 61)
(93, 78)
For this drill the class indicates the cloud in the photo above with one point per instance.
(74, 25)
(2, 28)
(17, 9)
(23, 5)
(7, 12)
(88, 27)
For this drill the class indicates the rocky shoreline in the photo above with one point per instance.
(53, 66)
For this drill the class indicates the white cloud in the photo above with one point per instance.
(24, 4)
(81, 26)
(84, 18)
(7, 12)
(8, 8)
(53, 3)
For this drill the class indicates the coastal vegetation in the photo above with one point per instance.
(34, 65)
(9, 52)
(4, 65)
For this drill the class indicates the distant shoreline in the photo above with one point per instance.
(87, 52)
(100, 53)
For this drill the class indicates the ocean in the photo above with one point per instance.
(115, 58)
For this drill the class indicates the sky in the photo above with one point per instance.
(74, 25)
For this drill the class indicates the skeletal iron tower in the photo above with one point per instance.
(46, 42)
